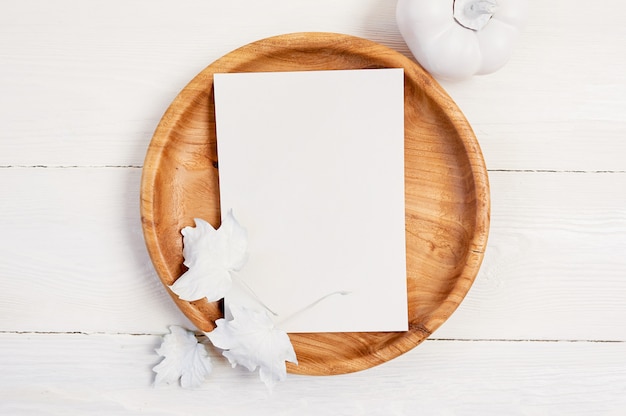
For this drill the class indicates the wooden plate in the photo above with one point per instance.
(446, 192)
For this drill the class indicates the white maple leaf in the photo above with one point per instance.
(251, 340)
(210, 256)
(183, 358)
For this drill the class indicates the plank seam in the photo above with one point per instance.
(131, 166)
(556, 171)
(602, 341)
(521, 340)
(70, 166)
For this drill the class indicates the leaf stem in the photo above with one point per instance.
(313, 304)
(253, 293)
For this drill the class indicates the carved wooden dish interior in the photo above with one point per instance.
(446, 192)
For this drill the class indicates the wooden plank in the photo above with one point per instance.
(111, 374)
(73, 255)
(555, 265)
(557, 105)
(87, 85)
(74, 259)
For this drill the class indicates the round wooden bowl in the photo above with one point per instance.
(446, 192)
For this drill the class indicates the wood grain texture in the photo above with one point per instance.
(111, 374)
(446, 192)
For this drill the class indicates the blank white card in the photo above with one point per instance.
(312, 165)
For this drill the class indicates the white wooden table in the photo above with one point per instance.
(82, 87)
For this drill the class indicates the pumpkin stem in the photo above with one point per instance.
(473, 14)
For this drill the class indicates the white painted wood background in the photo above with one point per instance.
(82, 87)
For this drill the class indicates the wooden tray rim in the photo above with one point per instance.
(416, 334)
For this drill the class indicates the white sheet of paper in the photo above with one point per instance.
(312, 164)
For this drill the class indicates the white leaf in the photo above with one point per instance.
(210, 256)
(251, 340)
(235, 243)
(183, 358)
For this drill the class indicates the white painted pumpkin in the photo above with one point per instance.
(455, 39)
